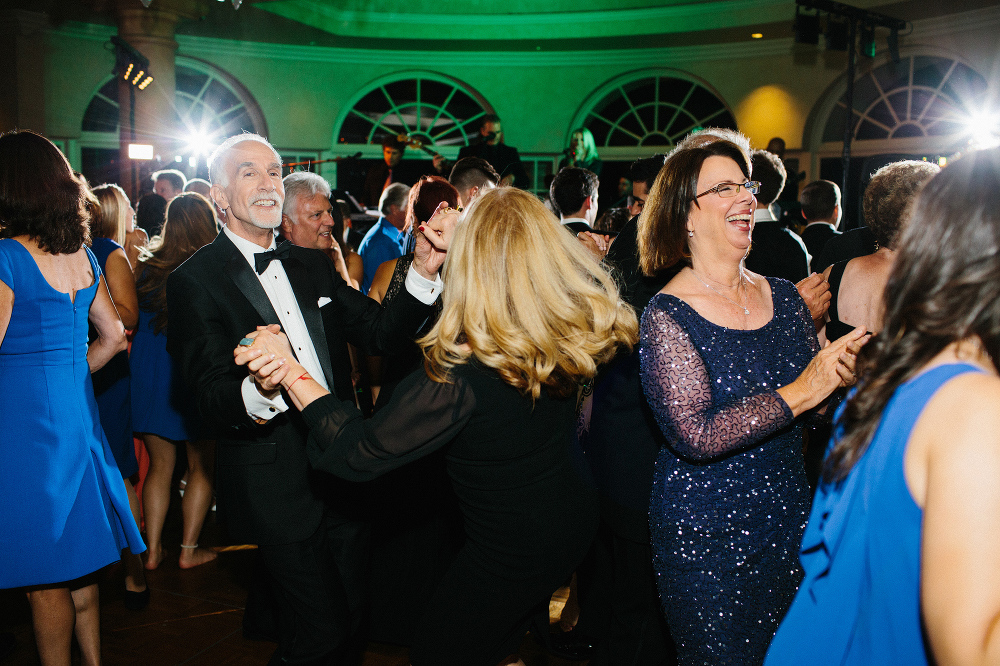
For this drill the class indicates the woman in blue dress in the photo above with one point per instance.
(728, 361)
(163, 411)
(900, 554)
(112, 383)
(65, 511)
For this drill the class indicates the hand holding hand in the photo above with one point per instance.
(432, 240)
(268, 357)
(596, 244)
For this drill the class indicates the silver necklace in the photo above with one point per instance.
(746, 310)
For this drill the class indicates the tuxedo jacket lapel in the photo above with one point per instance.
(305, 294)
(240, 272)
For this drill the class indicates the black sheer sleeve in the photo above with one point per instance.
(678, 389)
(422, 416)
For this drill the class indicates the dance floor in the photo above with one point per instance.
(193, 617)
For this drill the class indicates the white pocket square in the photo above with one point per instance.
(323, 300)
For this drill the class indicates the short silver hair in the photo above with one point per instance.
(303, 183)
(216, 162)
(394, 195)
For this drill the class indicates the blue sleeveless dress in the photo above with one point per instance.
(65, 512)
(161, 404)
(112, 387)
(860, 600)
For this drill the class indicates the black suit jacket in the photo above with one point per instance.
(815, 237)
(266, 492)
(777, 252)
(505, 159)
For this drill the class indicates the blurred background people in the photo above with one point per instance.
(777, 251)
(490, 146)
(472, 176)
(582, 152)
(150, 211)
(163, 410)
(856, 285)
(309, 219)
(821, 210)
(112, 383)
(387, 238)
(168, 183)
(900, 550)
(66, 511)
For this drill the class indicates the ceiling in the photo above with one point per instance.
(512, 25)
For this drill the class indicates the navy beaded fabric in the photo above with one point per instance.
(730, 496)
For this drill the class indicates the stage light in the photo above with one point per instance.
(983, 129)
(130, 64)
(199, 143)
(140, 151)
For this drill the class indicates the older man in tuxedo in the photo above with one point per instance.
(310, 541)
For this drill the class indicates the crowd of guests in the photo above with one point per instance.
(616, 401)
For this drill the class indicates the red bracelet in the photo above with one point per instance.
(304, 374)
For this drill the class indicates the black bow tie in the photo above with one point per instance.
(263, 259)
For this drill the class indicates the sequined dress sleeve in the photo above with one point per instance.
(678, 388)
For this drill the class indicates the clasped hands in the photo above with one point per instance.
(268, 357)
(432, 240)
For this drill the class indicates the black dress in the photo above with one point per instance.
(529, 518)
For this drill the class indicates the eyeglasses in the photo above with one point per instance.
(730, 190)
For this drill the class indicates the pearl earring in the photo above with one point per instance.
(690, 233)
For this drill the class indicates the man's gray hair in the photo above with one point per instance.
(217, 161)
(303, 183)
(394, 195)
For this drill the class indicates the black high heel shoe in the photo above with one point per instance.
(136, 601)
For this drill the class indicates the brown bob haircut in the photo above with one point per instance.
(39, 196)
(663, 222)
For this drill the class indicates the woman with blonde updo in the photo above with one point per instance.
(527, 316)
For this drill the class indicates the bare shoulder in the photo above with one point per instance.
(963, 417)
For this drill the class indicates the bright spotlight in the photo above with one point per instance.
(199, 143)
(984, 129)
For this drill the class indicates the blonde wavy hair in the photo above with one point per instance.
(523, 297)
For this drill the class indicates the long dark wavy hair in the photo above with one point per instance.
(943, 287)
(39, 196)
(190, 225)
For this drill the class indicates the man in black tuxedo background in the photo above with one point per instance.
(311, 544)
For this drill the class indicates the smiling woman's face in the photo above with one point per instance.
(719, 222)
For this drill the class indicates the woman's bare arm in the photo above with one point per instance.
(110, 331)
(952, 465)
(121, 284)
(6, 308)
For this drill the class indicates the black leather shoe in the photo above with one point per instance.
(570, 645)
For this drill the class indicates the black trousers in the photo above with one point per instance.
(619, 604)
(312, 595)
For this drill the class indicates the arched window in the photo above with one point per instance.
(649, 110)
(208, 103)
(432, 108)
(921, 96)
(206, 100)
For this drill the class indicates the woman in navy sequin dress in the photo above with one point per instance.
(728, 361)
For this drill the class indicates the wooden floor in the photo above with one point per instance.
(193, 617)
